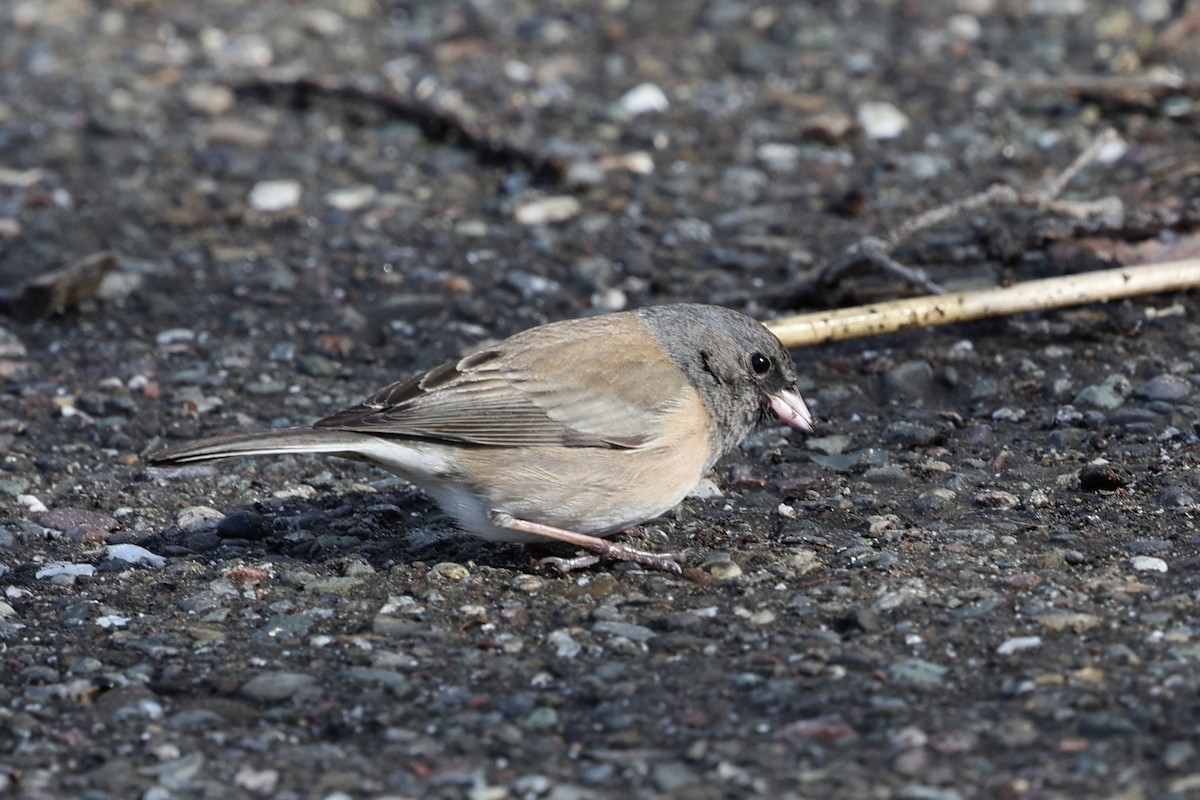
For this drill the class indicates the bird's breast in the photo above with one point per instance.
(595, 490)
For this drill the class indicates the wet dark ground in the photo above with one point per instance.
(977, 580)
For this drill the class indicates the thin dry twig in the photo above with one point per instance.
(1055, 186)
(1110, 88)
(877, 250)
(919, 312)
(438, 125)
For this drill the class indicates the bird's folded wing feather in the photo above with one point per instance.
(539, 390)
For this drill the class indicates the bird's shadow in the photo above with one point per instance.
(384, 529)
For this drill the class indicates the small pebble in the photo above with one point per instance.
(1177, 497)
(1100, 476)
(175, 336)
(778, 156)
(1104, 397)
(134, 554)
(722, 568)
(626, 630)
(209, 98)
(548, 210)
(450, 571)
(52, 570)
(1019, 643)
(641, 99)
(829, 445)
(909, 380)
(242, 524)
(324, 22)
(1148, 564)
(32, 504)
(934, 500)
(1074, 621)
(882, 121)
(997, 499)
(352, 198)
(195, 519)
(487, 793)
(1009, 414)
(918, 672)
(1166, 388)
(257, 781)
(273, 196)
(564, 644)
(271, 687)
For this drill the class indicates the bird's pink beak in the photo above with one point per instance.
(789, 406)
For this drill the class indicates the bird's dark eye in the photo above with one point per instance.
(760, 364)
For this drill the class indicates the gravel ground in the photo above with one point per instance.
(977, 580)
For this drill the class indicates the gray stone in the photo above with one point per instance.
(1167, 388)
(271, 687)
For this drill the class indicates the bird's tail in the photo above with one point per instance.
(263, 443)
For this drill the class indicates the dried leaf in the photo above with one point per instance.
(57, 290)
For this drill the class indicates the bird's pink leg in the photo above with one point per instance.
(593, 544)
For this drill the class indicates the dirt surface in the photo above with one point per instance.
(978, 579)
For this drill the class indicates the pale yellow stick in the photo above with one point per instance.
(943, 309)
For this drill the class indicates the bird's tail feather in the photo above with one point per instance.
(262, 443)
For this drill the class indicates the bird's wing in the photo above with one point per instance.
(577, 384)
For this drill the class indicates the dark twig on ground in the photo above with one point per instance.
(438, 125)
(1119, 90)
(876, 250)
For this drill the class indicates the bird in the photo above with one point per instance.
(569, 432)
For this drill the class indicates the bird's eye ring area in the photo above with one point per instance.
(760, 364)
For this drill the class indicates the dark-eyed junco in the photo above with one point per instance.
(568, 432)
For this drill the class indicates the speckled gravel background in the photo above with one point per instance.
(977, 581)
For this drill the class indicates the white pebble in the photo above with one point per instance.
(351, 198)
(31, 504)
(610, 300)
(301, 492)
(175, 336)
(642, 99)
(564, 644)
(778, 156)
(134, 554)
(324, 22)
(964, 27)
(519, 72)
(50, 570)
(1019, 643)
(548, 210)
(1148, 564)
(882, 121)
(1112, 150)
(270, 196)
(198, 518)
(638, 162)
(209, 98)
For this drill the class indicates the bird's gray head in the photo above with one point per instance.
(741, 370)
